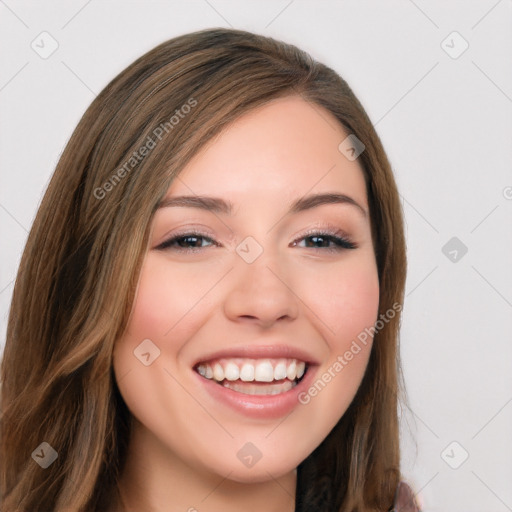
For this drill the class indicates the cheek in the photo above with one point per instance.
(344, 308)
(166, 297)
(161, 313)
(345, 300)
(167, 311)
(355, 303)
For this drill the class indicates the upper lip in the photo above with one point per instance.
(274, 351)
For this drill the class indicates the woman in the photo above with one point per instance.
(207, 309)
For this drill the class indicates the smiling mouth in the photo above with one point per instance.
(254, 376)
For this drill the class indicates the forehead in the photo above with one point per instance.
(285, 148)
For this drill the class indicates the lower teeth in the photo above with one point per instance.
(252, 389)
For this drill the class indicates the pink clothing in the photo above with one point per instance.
(405, 500)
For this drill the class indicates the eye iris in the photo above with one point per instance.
(319, 237)
(189, 237)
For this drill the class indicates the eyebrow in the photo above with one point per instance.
(218, 205)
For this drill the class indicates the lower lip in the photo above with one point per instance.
(258, 406)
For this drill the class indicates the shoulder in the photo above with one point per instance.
(405, 500)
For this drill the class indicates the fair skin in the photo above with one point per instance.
(183, 451)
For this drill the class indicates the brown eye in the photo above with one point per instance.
(340, 242)
(185, 242)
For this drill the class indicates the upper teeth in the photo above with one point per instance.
(248, 370)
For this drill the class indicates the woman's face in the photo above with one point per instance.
(253, 293)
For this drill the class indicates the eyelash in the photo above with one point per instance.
(339, 238)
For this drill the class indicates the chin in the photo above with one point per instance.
(262, 474)
(263, 470)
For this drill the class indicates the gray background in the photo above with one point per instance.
(445, 119)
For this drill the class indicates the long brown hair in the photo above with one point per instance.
(78, 274)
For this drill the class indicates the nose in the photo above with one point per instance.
(261, 292)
